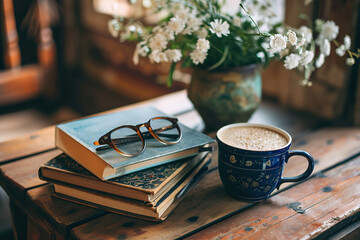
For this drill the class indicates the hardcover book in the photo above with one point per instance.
(76, 140)
(148, 185)
(134, 208)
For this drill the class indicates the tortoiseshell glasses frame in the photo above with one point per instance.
(158, 133)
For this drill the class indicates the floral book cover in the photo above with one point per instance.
(152, 181)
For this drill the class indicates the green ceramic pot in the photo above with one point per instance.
(226, 97)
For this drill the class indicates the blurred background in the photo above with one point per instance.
(59, 62)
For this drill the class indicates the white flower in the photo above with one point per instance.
(318, 24)
(158, 42)
(307, 57)
(325, 47)
(202, 45)
(183, 14)
(329, 30)
(202, 33)
(114, 27)
(158, 56)
(341, 50)
(126, 33)
(176, 25)
(320, 61)
(219, 27)
(161, 30)
(136, 56)
(292, 37)
(194, 23)
(277, 42)
(301, 42)
(173, 55)
(347, 42)
(141, 50)
(350, 61)
(237, 21)
(168, 35)
(292, 61)
(307, 33)
(198, 57)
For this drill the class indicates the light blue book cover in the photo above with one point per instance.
(86, 131)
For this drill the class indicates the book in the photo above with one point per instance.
(76, 140)
(135, 208)
(148, 185)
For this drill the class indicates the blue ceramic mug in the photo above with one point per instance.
(251, 175)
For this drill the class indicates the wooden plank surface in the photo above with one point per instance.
(304, 212)
(19, 176)
(59, 213)
(30, 144)
(201, 207)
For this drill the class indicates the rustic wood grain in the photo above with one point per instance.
(12, 56)
(59, 213)
(201, 206)
(356, 115)
(18, 84)
(18, 220)
(328, 146)
(18, 176)
(304, 212)
(33, 143)
(34, 231)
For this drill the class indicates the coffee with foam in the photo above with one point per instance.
(253, 138)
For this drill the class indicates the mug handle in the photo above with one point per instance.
(302, 176)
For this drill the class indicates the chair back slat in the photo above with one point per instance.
(12, 56)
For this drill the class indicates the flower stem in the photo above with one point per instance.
(213, 46)
(221, 60)
(257, 27)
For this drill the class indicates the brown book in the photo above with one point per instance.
(148, 185)
(135, 208)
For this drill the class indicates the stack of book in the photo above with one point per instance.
(148, 186)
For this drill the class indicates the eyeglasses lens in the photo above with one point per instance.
(127, 140)
(165, 130)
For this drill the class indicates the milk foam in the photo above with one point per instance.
(253, 138)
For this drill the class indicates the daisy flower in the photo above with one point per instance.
(277, 43)
(202, 45)
(292, 61)
(219, 27)
(198, 57)
(329, 30)
(173, 55)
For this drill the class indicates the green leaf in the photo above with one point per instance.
(226, 51)
(186, 63)
(170, 76)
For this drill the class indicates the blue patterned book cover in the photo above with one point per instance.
(76, 140)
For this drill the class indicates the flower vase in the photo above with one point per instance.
(225, 97)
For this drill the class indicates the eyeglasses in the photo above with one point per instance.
(129, 141)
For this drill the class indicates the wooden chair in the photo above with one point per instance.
(18, 82)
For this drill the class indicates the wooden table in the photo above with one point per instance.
(327, 204)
